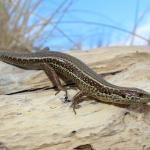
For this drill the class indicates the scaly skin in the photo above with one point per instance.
(87, 81)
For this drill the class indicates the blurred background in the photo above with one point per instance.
(64, 25)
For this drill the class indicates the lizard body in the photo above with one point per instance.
(56, 64)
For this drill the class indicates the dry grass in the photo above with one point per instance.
(17, 31)
(13, 21)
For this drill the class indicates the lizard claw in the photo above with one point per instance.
(66, 99)
(75, 106)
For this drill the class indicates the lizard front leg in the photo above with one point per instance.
(52, 75)
(77, 99)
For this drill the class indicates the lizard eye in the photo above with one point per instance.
(141, 94)
(123, 95)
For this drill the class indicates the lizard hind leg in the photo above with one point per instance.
(52, 75)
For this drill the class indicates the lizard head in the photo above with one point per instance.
(136, 95)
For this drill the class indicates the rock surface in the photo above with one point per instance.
(35, 118)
